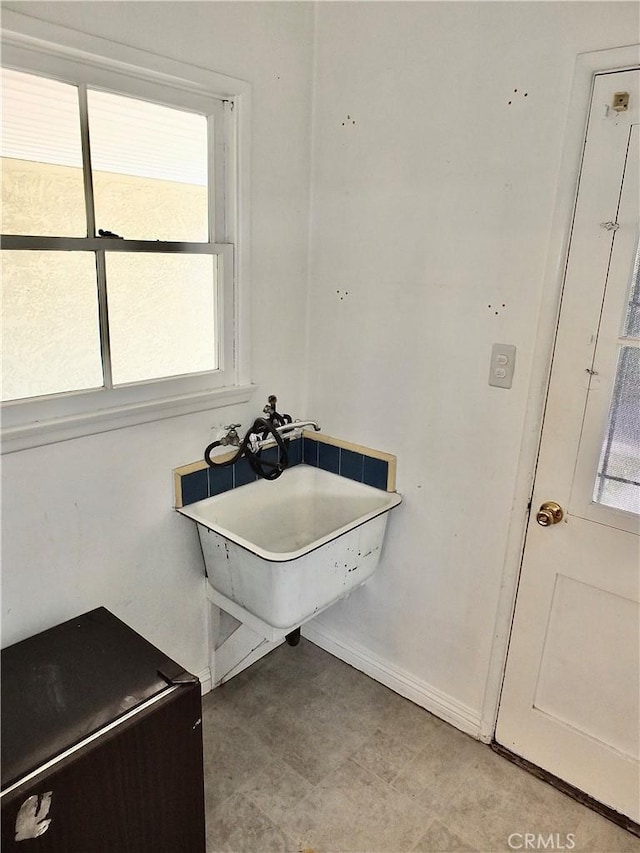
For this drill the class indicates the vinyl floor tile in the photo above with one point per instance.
(305, 753)
(238, 826)
(385, 755)
(596, 834)
(498, 806)
(309, 729)
(352, 810)
(438, 839)
(314, 737)
(438, 767)
(276, 789)
(232, 756)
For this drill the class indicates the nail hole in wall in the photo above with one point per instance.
(515, 92)
(496, 308)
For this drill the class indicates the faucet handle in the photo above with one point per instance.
(231, 436)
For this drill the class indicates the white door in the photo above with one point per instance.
(570, 700)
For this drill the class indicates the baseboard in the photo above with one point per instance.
(206, 684)
(425, 695)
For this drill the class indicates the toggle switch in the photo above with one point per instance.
(503, 362)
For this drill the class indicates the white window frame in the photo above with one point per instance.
(37, 47)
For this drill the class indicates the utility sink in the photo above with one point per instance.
(278, 552)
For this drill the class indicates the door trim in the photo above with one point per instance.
(586, 67)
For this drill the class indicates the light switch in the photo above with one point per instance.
(503, 362)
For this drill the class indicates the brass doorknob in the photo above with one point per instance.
(549, 513)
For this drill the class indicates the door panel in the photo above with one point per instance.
(570, 700)
(583, 678)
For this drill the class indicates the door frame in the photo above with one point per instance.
(586, 67)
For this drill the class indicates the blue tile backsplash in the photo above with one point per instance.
(220, 480)
(295, 452)
(375, 472)
(310, 452)
(351, 465)
(195, 487)
(209, 481)
(328, 457)
(243, 473)
(347, 463)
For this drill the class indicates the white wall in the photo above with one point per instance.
(434, 205)
(432, 196)
(89, 521)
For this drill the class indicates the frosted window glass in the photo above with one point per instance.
(149, 169)
(50, 329)
(618, 480)
(162, 315)
(42, 183)
(632, 320)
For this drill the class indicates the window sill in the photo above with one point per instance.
(54, 430)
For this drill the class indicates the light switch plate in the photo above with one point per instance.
(503, 362)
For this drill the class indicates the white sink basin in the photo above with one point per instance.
(278, 552)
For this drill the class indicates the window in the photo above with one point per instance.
(119, 200)
(618, 479)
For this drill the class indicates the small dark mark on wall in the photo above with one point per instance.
(342, 294)
(496, 308)
(348, 120)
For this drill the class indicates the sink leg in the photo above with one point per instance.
(294, 637)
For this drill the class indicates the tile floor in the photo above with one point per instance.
(305, 753)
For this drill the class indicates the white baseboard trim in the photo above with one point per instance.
(206, 683)
(425, 695)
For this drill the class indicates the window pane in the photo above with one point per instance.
(50, 330)
(632, 320)
(42, 183)
(149, 169)
(618, 480)
(162, 315)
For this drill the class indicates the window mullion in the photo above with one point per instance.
(86, 160)
(103, 314)
(101, 267)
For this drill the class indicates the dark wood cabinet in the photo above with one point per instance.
(79, 777)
